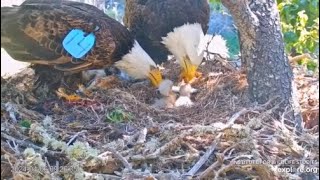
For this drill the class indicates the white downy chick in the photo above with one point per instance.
(184, 98)
(168, 96)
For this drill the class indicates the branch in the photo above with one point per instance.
(29, 144)
(297, 58)
(203, 159)
(144, 175)
(210, 169)
(119, 156)
(100, 176)
(75, 137)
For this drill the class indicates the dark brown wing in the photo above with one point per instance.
(150, 20)
(34, 31)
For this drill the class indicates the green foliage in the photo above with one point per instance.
(300, 24)
(216, 5)
(312, 65)
(215, 1)
(25, 124)
(118, 115)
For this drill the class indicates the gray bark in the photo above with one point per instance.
(263, 53)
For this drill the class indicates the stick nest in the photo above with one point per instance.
(116, 134)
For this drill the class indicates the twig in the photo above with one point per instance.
(211, 168)
(230, 150)
(142, 136)
(297, 58)
(223, 61)
(75, 136)
(185, 158)
(235, 117)
(143, 175)
(269, 102)
(95, 113)
(234, 161)
(220, 160)
(173, 143)
(192, 149)
(100, 176)
(119, 156)
(229, 166)
(140, 157)
(203, 159)
(14, 147)
(29, 144)
(12, 111)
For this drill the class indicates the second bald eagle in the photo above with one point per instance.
(165, 27)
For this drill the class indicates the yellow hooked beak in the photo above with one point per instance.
(189, 71)
(155, 77)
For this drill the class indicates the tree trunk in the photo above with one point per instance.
(263, 53)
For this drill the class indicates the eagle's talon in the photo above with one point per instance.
(85, 91)
(198, 74)
(71, 98)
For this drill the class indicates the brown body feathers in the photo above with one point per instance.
(33, 32)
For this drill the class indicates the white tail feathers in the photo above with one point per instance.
(137, 63)
(217, 45)
(186, 40)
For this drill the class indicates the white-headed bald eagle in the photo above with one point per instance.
(34, 32)
(165, 27)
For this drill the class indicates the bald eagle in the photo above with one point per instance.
(164, 27)
(34, 32)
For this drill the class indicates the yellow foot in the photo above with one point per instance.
(62, 94)
(84, 90)
(197, 75)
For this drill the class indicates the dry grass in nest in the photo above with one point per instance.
(207, 141)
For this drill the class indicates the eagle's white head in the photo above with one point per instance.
(139, 65)
(186, 44)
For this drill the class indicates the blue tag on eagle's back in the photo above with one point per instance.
(78, 45)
